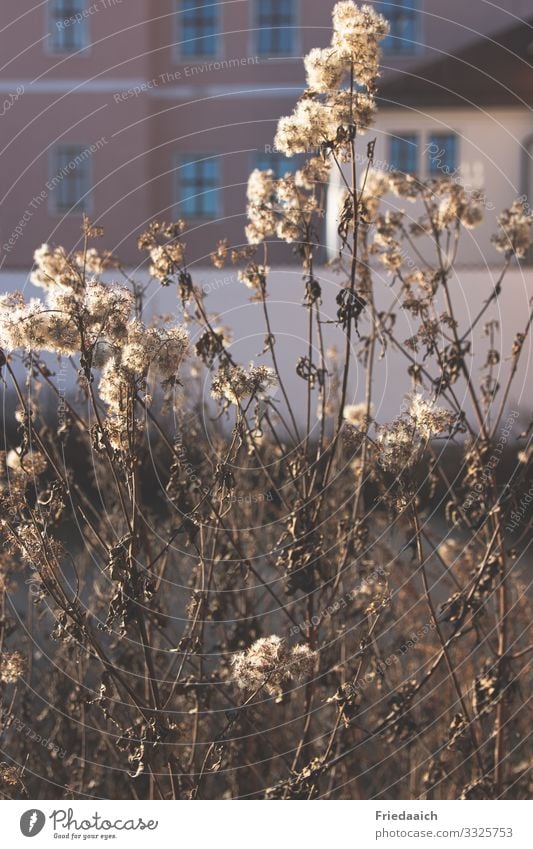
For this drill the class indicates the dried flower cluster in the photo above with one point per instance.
(12, 666)
(327, 108)
(357, 415)
(447, 206)
(516, 230)
(401, 443)
(271, 663)
(82, 315)
(236, 384)
(284, 207)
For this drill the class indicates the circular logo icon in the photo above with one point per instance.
(32, 822)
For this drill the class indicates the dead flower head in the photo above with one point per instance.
(271, 663)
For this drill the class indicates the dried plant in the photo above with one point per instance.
(210, 595)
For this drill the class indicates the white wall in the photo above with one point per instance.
(490, 155)
(231, 300)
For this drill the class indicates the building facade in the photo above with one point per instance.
(466, 114)
(128, 111)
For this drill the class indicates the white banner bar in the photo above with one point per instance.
(232, 825)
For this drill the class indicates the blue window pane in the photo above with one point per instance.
(199, 27)
(442, 154)
(276, 27)
(404, 18)
(276, 162)
(68, 29)
(199, 187)
(403, 153)
(70, 179)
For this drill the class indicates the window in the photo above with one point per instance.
(70, 179)
(277, 162)
(275, 23)
(198, 27)
(198, 184)
(404, 20)
(442, 154)
(68, 23)
(403, 152)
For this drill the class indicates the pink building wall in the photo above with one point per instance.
(132, 97)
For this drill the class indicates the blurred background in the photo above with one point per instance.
(132, 110)
(128, 111)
